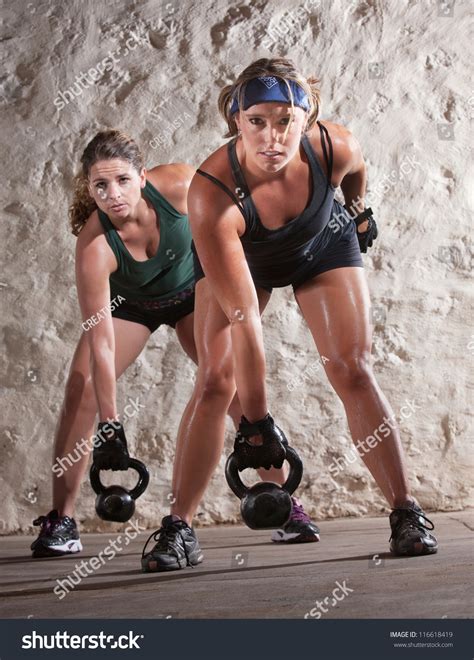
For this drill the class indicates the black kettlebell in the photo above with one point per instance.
(265, 505)
(116, 503)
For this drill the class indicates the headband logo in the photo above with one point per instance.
(269, 81)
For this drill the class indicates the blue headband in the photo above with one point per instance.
(269, 88)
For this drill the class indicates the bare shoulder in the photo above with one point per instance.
(208, 201)
(344, 138)
(346, 148)
(217, 164)
(92, 247)
(173, 181)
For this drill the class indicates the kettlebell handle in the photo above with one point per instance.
(296, 470)
(291, 484)
(143, 478)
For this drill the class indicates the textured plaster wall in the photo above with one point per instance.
(396, 72)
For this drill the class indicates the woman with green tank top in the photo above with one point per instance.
(134, 272)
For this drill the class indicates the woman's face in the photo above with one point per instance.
(271, 134)
(115, 186)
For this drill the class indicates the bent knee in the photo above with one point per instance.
(351, 373)
(216, 382)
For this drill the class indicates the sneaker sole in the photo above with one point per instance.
(150, 565)
(282, 537)
(424, 551)
(69, 548)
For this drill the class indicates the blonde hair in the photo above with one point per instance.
(106, 145)
(279, 67)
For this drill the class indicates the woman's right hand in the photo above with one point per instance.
(110, 447)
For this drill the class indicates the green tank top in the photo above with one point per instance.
(167, 273)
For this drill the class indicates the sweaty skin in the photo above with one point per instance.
(335, 304)
(107, 349)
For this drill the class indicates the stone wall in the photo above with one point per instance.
(396, 72)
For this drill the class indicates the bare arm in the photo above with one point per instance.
(215, 224)
(94, 263)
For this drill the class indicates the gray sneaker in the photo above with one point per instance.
(177, 547)
(409, 532)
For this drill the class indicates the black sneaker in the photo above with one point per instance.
(409, 536)
(298, 529)
(58, 536)
(177, 547)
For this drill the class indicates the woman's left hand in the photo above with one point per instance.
(367, 230)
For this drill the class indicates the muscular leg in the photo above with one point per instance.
(185, 333)
(79, 409)
(200, 443)
(335, 305)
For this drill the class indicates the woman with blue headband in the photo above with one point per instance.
(263, 215)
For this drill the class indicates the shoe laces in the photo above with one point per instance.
(411, 519)
(48, 523)
(298, 513)
(165, 538)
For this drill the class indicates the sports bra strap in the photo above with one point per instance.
(329, 161)
(223, 187)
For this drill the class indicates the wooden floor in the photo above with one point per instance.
(244, 575)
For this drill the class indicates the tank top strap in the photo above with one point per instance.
(112, 238)
(328, 159)
(241, 189)
(238, 202)
(105, 221)
(160, 203)
(222, 186)
(321, 180)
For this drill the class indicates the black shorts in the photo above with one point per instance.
(199, 273)
(336, 247)
(341, 250)
(153, 313)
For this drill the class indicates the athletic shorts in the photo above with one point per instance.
(340, 251)
(153, 313)
(333, 249)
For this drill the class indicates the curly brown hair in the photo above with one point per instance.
(279, 67)
(106, 145)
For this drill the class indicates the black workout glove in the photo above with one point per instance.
(367, 237)
(110, 447)
(271, 452)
